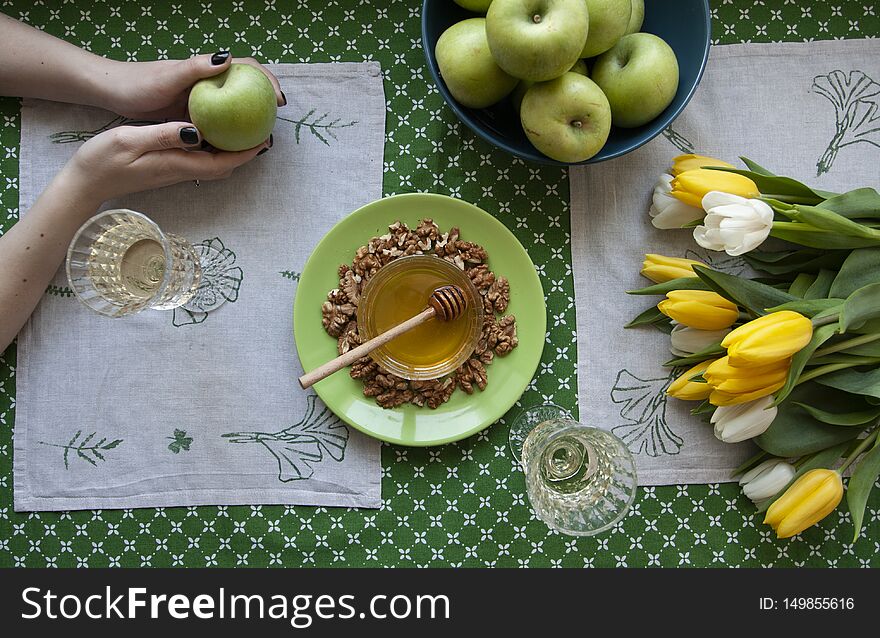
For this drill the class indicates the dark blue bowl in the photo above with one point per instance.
(684, 24)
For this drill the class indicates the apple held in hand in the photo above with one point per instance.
(568, 119)
(467, 66)
(609, 20)
(639, 76)
(536, 40)
(235, 110)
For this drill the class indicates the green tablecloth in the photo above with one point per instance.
(461, 504)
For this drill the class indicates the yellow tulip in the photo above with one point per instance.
(686, 390)
(768, 339)
(690, 161)
(810, 498)
(659, 268)
(690, 186)
(732, 385)
(700, 309)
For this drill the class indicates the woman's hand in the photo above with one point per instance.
(130, 159)
(160, 90)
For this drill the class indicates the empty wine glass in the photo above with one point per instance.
(120, 262)
(580, 480)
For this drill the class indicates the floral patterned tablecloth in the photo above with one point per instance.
(462, 504)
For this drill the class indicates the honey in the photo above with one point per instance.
(401, 290)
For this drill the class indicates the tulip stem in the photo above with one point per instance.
(849, 343)
(789, 199)
(824, 321)
(867, 441)
(826, 369)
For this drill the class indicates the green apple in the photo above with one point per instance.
(536, 40)
(637, 17)
(608, 22)
(639, 76)
(524, 85)
(235, 110)
(568, 119)
(467, 67)
(479, 6)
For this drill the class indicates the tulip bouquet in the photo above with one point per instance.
(789, 359)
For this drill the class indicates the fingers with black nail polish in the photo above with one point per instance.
(219, 58)
(189, 135)
(284, 97)
(263, 151)
(271, 140)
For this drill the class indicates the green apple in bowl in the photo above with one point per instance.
(477, 6)
(639, 76)
(524, 85)
(637, 17)
(609, 20)
(234, 110)
(467, 66)
(536, 40)
(568, 119)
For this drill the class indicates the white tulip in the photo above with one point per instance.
(733, 224)
(685, 341)
(767, 479)
(735, 423)
(668, 212)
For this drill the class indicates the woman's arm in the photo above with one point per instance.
(124, 160)
(36, 64)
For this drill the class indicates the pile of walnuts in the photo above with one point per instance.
(339, 313)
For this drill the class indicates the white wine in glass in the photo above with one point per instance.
(120, 262)
(580, 480)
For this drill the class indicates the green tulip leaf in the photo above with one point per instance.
(777, 187)
(861, 267)
(831, 221)
(843, 357)
(755, 167)
(794, 262)
(794, 432)
(858, 203)
(651, 315)
(682, 283)
(860, 484)
(865, 350)
(826, 458)
(809, 307)
(704, 408)
(711, 352)
(859, 417)
(747, 293)
(801, 284)
(664, 325)
(800, 359)
(808, 235)
(860, 307)
(821, 286)
(853, 381)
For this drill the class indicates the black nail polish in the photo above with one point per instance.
(189, 135)
(271, 140)
(219, 58)
(263, 151)
(284, 97)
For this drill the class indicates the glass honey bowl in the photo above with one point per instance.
(400, 290)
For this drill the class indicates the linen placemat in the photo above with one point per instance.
(177, 408)
(805, 110)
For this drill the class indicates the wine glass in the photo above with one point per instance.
(580, 480)
(120, 262)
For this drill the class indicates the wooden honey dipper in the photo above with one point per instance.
(446, 303)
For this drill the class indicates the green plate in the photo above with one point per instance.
(463, 415)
